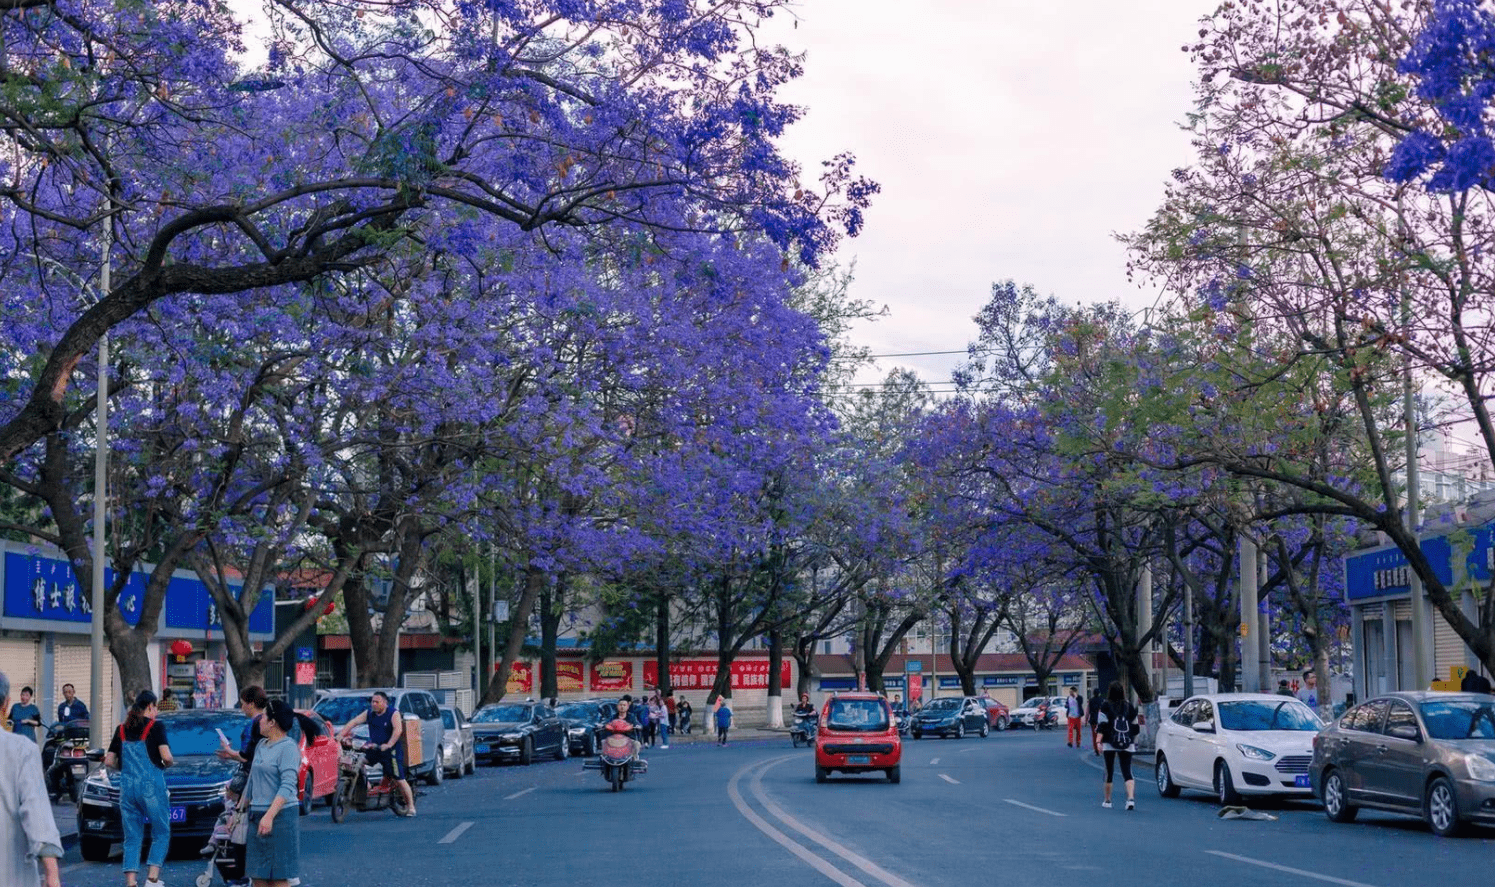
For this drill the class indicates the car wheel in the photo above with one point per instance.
(307, 791)
(457, 773)
(985, 729)
(1225, 791)
(918, 735)
(1166, 786)
(438, 771)
(960, 729)
(1443, 809)
(526, 752)
(822, 774)
(94, 849)
(563, 748)
(1003, 724)
(589, 746)
(895, 775)
(1337, 804)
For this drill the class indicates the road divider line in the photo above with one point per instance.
(966, 751)
(933, 761)
(520, 793)
(950, 779)
(788, 843)
(830, 844)
(1034, 809)
(1288, 869)
(454, 834)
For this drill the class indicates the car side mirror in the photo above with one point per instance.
(1204, 726)
(1404, 731)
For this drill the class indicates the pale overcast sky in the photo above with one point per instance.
(1011, 138)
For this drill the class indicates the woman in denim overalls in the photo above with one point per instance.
(142, 790)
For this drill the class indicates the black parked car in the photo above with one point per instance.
(194, 784)
(584, 722)
(951, 716)
(518, 731)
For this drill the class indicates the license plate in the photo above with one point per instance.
(1302, 781)
(858, 759)
(178, 814)
(481, 749)
(80, 769)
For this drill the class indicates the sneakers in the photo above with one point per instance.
(154, 882)
(664, 746)
(1130, 804)
(1105, 805)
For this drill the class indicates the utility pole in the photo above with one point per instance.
(1250, 673)
(1144, 622)
(1420, 670)
(1188, 641)
(100, 505)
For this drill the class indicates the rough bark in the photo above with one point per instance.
(534, 580)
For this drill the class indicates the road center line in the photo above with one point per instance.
(1282, 868)
(788, 843)
(520, 793)
(966, 751)
(845, 853)
(454, 834)
(949, 779)
(933, 761)
(1034, 809)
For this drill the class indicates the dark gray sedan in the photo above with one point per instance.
(1429, 755)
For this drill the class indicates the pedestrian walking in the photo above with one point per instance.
(273, 854)
(24, 716)
(1118, 720)
(139, 751)
(660, 717)
(71, 708)
(1473, 682)
(645, 722)
(1074, 710)
(671, 710)
(1094, 714)
(1309, 692)
(31, 839)
(684, 710)
(1283, 689)
(723, 721)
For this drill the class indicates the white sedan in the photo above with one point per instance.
(1234, 744)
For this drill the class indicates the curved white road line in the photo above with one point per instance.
(845, 853)
(788, 843)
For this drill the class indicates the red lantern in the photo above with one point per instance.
(181, 649)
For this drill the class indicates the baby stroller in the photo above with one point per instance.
(224, 854)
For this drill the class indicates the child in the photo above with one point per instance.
(723, 721)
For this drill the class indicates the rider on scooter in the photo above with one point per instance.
(805, 709)
(386, 729)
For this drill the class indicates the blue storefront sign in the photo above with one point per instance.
(42, 589)
(1457, 558)
(1008, 680)
(949, 683)
(838, 683)
(892, 683)
(913, 666)
(1072, 680)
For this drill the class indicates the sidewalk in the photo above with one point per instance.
(736, 734)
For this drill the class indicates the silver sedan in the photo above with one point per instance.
(457, 743)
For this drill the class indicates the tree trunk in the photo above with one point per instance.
(804, 658)
(662, 645)
(534, 580)
(550, 625)
(775, 689)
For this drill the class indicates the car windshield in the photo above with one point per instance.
(501, 714)
(448, 720)
(197, 733)
(867, 715)
(1459, 719)
(577, 711)
(342, 709)
(945, 704)
(1289, 714)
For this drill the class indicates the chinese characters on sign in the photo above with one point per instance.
(612, 676)
(700, 674)
(568, 677)
(521, 678)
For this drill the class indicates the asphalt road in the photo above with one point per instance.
(1015, 808)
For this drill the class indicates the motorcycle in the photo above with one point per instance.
(905, 720)
(804, 730)
(618, 755)
(353, 789)
(65, 759)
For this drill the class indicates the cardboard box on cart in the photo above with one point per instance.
(414, 752)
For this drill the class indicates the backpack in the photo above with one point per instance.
(1119, 724)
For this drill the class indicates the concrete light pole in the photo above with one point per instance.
(100, 502)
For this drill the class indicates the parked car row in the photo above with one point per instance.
(1425, 754)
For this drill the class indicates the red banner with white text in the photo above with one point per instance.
(700, 674)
